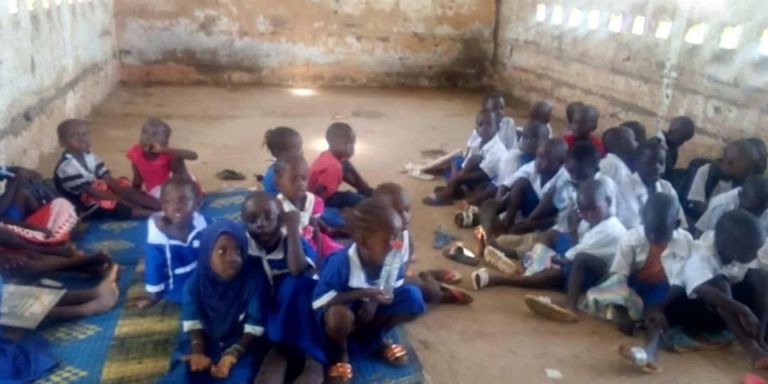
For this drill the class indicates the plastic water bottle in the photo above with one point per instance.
(389, 273)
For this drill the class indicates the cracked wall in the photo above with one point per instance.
(306, 42)
(633, 76)
(61, 62)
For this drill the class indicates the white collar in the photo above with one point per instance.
(356, 273)
(254, 249)
(157, 237)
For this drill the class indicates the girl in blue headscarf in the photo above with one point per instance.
(222, 312)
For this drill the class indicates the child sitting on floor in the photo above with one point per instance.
(173, 243)
(522, 192)
(752, 197)
(333, 167)
(583, 126)
(740, 160)
(86, 182)
(681, 129)
(223, 313)
(646, 280)
(480, 167)
(280, 141)
(507, 130)
(650, 162)
(618, 165)
(154, 162)
(275, 242)
(434, 284)
(723, 273)
(291, 177)
(575, 261)
(533, 134)
(352, 311)
(26, 225)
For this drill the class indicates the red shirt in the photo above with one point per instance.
(570, 139)
(154, 172)
(326, 171)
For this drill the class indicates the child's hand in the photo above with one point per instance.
(375, 294)
(292, 219)
(197, 362)
(222, 369)
(367, 311)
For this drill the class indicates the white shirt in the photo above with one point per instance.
(507, 134)
(704, 264)
(698, 190)
(630, 195)
(633, 253)
(566, 199)
(492, 153)
(634, 195)
(718, 206)
(601, 240)
(528, 171)
(509, 164)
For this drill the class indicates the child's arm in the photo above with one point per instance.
(353, 178)
(542, 217)
(130, 195)
(197, 360)
(718, 294)
(138, 181)
(297, 260)
(183, 154)
(102, 195)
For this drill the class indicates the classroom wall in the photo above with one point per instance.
(306, 42)
(629, 76)
(58, 62)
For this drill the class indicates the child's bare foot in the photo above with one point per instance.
(107, 294)
(481, 238)
(101, 265)
(141, 302)
(312, 373)
(444, 275)
(455, 295)
(340, 373)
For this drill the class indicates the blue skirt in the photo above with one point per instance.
(24, 361)
(651, 293)
(291, 318)
(244, 370)
(407, 301)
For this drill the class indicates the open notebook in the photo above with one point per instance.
(25, 306)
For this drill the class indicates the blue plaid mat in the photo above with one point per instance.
(83, 346)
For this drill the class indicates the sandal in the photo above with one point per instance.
(230, 175)
(340, 373)
(543, 306)
(460, 254)
(396, 354)
(433, 201)
(638, 357)
(445, 276)
(480, 279)
(442, 239)
(504, 264)
(467, 218)
(458, 295)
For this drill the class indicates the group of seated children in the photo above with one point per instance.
(278, 297)
(611, 223)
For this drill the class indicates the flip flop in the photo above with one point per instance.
(396, 354)
(460, 296)
(442, 239)
(340, 373)
(638, 357)
(543, 306)
(480, 279)
(460, 254)
(433, 201)
(230, 175)
(504, 264)
(445, 276)
(419, 175)
(467, 218)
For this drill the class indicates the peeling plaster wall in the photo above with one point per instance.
(306, 42)
(631, 77)
(59, 61)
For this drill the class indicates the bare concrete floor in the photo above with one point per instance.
(496, 339)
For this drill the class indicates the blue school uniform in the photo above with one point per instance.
(269, 181)
(343, 271)
(290, 318)
(169, 263)
(223, 311)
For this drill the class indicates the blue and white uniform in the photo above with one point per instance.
(170, 262)
(343, 272)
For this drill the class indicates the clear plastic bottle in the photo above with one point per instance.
(389, 273)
